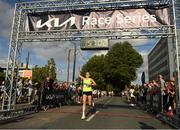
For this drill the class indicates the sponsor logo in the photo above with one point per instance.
(86, 20)
(54, 22)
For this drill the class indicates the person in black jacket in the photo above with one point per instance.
(46, 89)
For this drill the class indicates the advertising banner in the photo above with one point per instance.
(102, 19)
(27, 73)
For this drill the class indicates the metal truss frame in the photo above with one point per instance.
(116, 33)
(18, 36)
(176, 21)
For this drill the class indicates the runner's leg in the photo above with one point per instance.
(84, 106)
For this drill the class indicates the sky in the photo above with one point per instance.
(41, 52)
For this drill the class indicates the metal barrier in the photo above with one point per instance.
(55, 98)
(14, 114)
(148, 101)
(60, 97)
(153, 102)
(156, 103)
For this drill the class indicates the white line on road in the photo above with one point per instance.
(107, 102)
(92, 116)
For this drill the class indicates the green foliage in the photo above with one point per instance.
(117, 68)
(52, 68)
(2, 76)
(49, 70)
(96, 66)
(121, 63)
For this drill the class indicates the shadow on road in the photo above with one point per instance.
(102, 106)
(15, 120)
(145, 126)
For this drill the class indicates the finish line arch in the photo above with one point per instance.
(66, 20)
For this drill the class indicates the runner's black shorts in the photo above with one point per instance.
(87, 93)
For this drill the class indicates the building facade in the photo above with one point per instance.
(161, 60)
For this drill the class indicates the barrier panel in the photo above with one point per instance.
(59, 97)
(156, 104)
(153, 102)
(56, 97)
(148, 101)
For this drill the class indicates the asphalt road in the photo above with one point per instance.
(111, 113)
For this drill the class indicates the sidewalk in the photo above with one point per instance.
(173, 121)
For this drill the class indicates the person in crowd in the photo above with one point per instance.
(162, 85)
(137, 91)
(171, 94)
(127, 94)
(141, 94)
(132, 97)
(79, 91)
(19, 89)
(30, 90)
(46, 89)
(145, 89)
(87, 91)
(72, 92)
(155, 87)
(2, 87)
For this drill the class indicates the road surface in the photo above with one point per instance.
(111, 113)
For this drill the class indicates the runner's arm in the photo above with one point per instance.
(80, 76)
(93, 82)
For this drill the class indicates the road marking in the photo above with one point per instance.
(92, 116)
(107, 102)
(99, 100)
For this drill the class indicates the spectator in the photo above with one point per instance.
(30, 91)
(19, 89)
(162, 85)
(2, 87)
(132, 97)
(137, 92)
(141, 94)
(46, 89)
(79, 91)
(171, 94)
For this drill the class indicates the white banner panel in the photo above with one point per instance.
(126, 18)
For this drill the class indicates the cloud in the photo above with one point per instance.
(6, 17)
(3, 62)
(47, 50)
(57, 50)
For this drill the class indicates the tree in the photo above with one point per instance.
(38, 74)
(116, 69)
(2, 75)
(121, 63)
(52, 68)
(49, 70)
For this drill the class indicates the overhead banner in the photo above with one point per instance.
(127, 18)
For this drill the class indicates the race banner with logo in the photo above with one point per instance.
(127, 18)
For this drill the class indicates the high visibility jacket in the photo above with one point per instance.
(87, 85)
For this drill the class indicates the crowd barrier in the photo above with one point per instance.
(55, 97)
(59, 97)
(153, 102)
